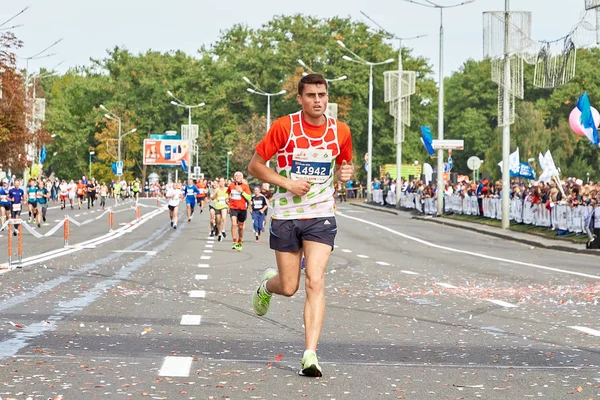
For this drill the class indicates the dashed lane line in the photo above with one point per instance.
(201, 277)
(587, 330)
(190, 320)
(198, 294)
(176, 366)
(446, 285)
(501, 303)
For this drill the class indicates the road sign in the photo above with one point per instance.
(474, 163)
(119, 165)
(448, 144)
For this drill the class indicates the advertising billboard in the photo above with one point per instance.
(166, 152)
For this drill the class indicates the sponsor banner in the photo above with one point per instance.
(166, 152)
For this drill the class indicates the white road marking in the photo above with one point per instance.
(335, 246)
(584, 329)
(176, 366)
(446, 285)
(409, 272)
(208, 251)
(381, 263)
(210, 238)
(198, 294)
(205, 257)
(57, 220)
(347, 250)
(190, 319)
(150, 253)
(77, 215)
(201, 277)
(203, 266)
(361, 256)
(501, 303)
(484, 256)
(208, 246)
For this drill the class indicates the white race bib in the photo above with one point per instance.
(311, 165)
(31, 195)
(16, 207)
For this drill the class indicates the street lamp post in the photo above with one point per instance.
(111, 116)
(440, 155)
(256, 90)
(179, 103)
(399, 124)
(359, 60)
(91, 154)
(228, 154)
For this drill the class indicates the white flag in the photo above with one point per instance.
(513, 162)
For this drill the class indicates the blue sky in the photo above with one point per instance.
(90, 27)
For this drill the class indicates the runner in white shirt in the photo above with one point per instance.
(174, 196)
(64, 194)
(72, 187)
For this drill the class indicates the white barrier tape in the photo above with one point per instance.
(73, 221)
(31, 230)
(53, 230)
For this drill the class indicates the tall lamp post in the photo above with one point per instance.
(399, 125)
(228, 154)
(179, 103)
(440, 155)
(111, 116)
(91, 154)
(255, 90)
(359, 60)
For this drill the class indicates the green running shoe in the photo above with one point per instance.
(260, 299)
(239, 246)
(310, 366)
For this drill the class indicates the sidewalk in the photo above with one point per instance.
(520, 237)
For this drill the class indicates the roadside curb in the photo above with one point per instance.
(473, 227)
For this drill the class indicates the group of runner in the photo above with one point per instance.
(232, 198)
(13, 198)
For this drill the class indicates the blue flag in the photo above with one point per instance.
(184, 166)
(587, 119)
(525, 171)
(427, 139)
(43, 154)
(114, 168)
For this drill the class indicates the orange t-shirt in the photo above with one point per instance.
(279, 133)
(80, 189)
(202, 188)
(236, 200)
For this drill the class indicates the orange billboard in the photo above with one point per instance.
(166, 152)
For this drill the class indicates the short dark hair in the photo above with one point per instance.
(311, 79)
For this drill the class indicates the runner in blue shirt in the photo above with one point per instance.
(4, 203)
(16, 196)
(190, 198)
(42, 199)
(32, 199)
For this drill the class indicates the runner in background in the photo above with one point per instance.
(32, 200)
(211, 209)
(190, 198)
(64, 194)
(240, 196)
(221, 198)
(266, 191)
(80, 192)
(201, 196)
(260, 204)
(174, 196)
(5, 204)
(103, 194)
(136, 189)
(117, 191)
(91, 192)
(42, 199)
(16, 195)
(72, 193)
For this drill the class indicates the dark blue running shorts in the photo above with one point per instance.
(287, 235)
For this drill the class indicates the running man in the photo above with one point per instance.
(190, 198)
(117, 191)
(42, 196)
(136, 189)
(174, 195)
(259, 204)
(211, 209)
(103, 194)
(221, 198)
(64, 194)
(240, 196)
(5, 204)
(32, 200)
(16, 195)
(313, 151)
(201, 196)
(81, 190)
(91, 192)
(72, 193)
